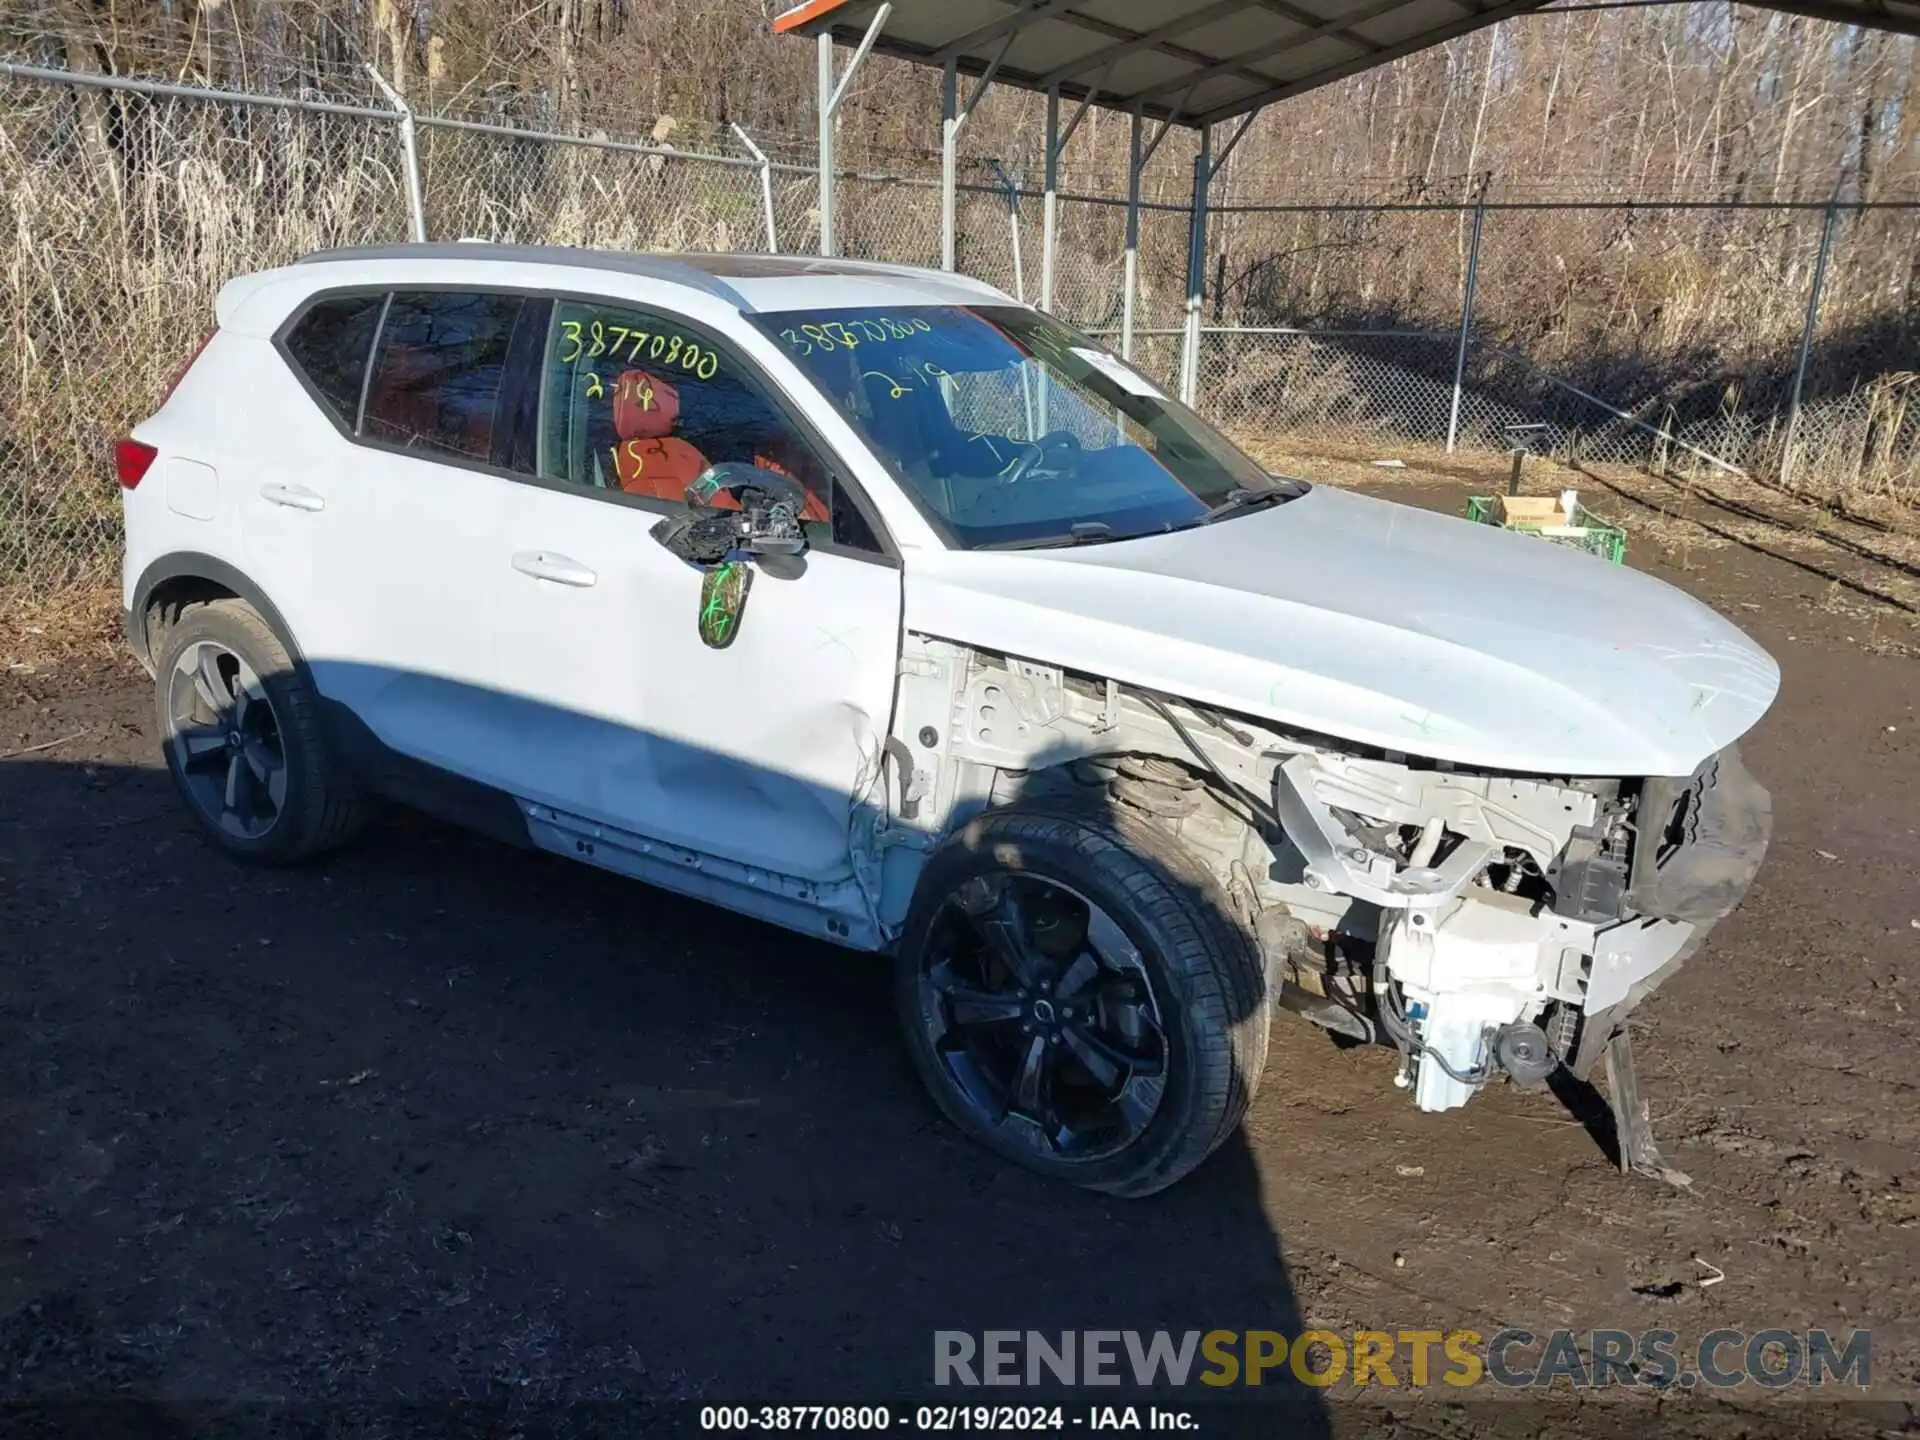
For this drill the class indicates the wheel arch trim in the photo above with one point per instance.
(192, 565)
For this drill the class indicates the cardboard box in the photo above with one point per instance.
(1531, 510)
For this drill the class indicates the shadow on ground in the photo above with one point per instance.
(443, 1120)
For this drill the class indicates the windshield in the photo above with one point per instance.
(1009, 429)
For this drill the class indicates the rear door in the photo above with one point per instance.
(758, 752)
(383, 530)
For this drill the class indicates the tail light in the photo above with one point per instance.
(181, 373)
(131, 458)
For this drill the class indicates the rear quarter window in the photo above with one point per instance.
(329, 345)
(437, 374)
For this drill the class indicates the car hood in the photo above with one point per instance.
(1380, 624)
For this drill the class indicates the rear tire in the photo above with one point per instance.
(1140, 1002)
(240, 728)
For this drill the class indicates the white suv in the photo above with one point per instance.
(869, 602)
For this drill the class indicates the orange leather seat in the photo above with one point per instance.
(648, 457)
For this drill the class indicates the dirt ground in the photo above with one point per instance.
(440, 1120)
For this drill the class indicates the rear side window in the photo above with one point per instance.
(438, 370)
(329, 346)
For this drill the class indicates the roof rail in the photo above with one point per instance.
(625, 262)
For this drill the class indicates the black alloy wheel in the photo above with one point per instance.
(1077, 995)
(240, 728)
(1043, 1017)
(225, 739)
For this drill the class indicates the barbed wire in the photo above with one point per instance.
(330, 66)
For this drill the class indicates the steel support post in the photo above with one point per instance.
(826, 144)
(1130, 263)
(1466, 323)
(1050, 201)
(831, 95)
(1196, 266)
(954, 117)
(949, 160)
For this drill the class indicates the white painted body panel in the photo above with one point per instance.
(616, 711)
(1377, 623)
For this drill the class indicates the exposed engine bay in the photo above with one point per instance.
(1484, 925)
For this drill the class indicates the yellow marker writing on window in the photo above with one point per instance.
(896, 389)
(636, 458)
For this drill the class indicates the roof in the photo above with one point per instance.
(748, 281)
(671, 268)
(1199, 61)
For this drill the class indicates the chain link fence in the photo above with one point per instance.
(129, 203)
(122, 215)
(1732, 337)
(494, 183)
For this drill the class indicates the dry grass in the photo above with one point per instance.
(111, 253)
(80, 629)
(1856, 454)
(1344, 457)
(110, 257)
(1881, 470)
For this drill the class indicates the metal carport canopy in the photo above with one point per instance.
(1197, 62)
(1178, 62)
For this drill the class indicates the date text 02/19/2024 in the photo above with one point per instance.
(946, 1419)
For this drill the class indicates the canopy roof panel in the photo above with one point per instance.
(1199, 61)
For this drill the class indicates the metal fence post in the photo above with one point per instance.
(1806, 337)
(1011, 188)
(409, 155)
(1466, 321)
(766, 186)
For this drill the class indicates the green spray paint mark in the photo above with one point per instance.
(723, 597)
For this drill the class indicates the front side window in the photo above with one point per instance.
(438, 369)
(329, 345)
(1009, 429)
(638, 404)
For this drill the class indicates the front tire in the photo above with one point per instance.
(1076, 996)
(240, 727)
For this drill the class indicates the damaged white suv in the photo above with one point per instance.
(866, 601)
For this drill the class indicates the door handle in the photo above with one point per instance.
(294, 497)
(545, 565)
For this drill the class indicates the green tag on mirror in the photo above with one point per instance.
(723, 600)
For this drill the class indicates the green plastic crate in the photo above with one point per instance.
(1609, 542)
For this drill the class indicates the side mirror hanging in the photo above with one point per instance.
(762, 526)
